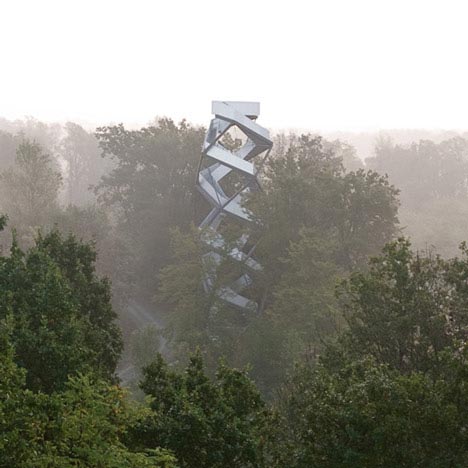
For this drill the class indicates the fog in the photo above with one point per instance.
(321, 66)
(323, 321)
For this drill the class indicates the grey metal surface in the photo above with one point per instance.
(218, 162)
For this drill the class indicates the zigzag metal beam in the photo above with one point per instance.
(220, 163)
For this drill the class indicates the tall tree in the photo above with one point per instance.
(8, 145)
(80, 150)
(407, 308)
(196, 318)
(63, 320)
(306, 186)
(84, 425)
(151, 189)
(30, 188)
(205, 423)
(76, 261)
(46, 135)
(364, 414)
(392, 390)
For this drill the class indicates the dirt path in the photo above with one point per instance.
(140, 315)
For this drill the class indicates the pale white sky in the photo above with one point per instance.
(321, 65)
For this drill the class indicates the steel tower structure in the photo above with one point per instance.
(217, 163)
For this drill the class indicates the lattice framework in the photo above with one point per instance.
(216, 164)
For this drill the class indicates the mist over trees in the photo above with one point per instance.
(433, 182)
(150, 190)
(357, 356)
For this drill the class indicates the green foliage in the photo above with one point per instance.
(407, 308)
(151, 188)
(367, 217)
(303, 314)
(57, 336)
(63, 320)
(15, 433)
(196, 319)
(306, 186)
(309, 261)
(90, 418)
(369, 416)
(48, 333)
(205, 423)
(76, 261)
(79, 427)
(392, 391)
(92, 224)
(315, 222)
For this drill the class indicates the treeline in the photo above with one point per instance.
(357, 354)
(47, 174)
(433, 182)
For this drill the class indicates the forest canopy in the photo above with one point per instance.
(113, 354)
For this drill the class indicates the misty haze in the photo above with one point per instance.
(233, 235)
